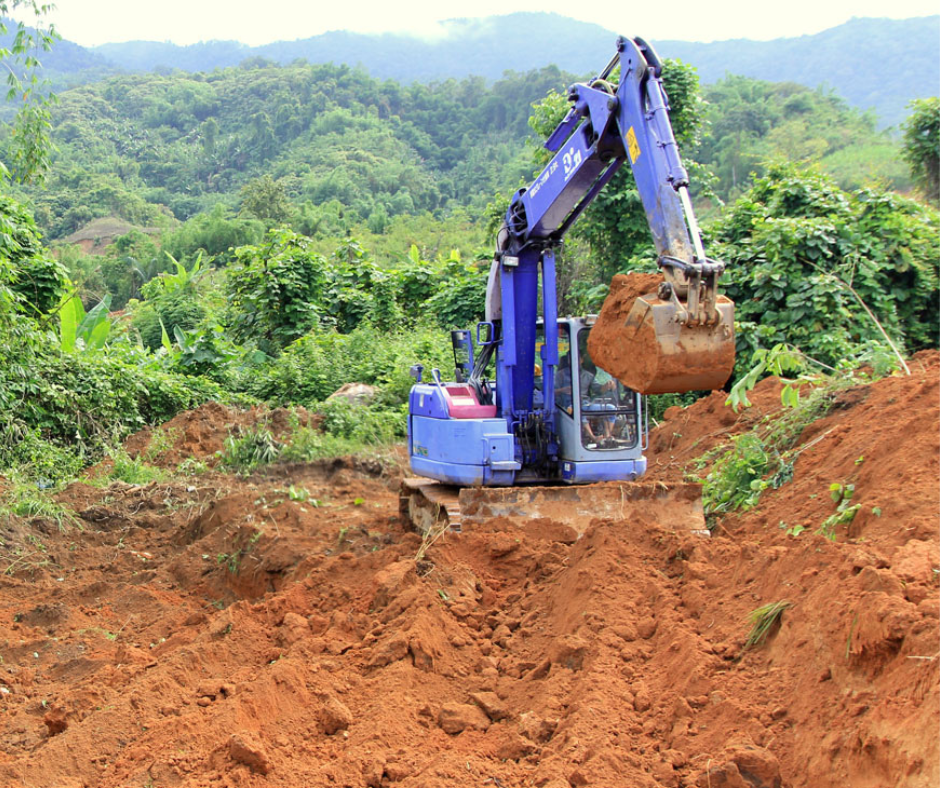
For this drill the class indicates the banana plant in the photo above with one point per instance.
(81, 331)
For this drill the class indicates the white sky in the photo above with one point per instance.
(91, 22)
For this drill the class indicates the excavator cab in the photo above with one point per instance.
(600, 423)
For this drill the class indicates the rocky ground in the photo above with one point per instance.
(277, 630)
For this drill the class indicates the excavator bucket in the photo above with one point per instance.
(431, 506)
(639, 339)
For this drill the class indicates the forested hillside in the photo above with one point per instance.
(328, 148)
(343, 146)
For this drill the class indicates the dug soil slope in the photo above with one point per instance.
(278, 630)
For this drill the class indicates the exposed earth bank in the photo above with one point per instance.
(277, 630)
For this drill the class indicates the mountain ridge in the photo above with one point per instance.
(488, 47)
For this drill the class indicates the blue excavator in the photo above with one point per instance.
(542, 402)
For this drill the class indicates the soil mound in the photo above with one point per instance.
(200, 434)
(278, 630)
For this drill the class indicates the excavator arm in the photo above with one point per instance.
(680, 338)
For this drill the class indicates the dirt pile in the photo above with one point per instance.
(200, 434)
(222, 631)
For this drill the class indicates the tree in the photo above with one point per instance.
(921, 148)
(265, 199)
(801, 253)
(29, 153)
(275, 292)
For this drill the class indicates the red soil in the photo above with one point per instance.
(215, 632)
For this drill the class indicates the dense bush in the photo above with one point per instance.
(316, 365)
(275, 289)
(29, 276)
(78, 403)
(797, 247)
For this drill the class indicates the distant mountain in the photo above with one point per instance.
(484, 47)
(878, 64)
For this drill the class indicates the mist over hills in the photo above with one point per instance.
(877, 64)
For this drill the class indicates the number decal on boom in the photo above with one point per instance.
(571, 161)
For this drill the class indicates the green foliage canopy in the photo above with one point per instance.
(795, 244)
(921, 149)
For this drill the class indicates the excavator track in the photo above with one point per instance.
(428, 505)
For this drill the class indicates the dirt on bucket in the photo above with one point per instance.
(648, 351)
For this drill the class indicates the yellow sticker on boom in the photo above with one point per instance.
(632, 145)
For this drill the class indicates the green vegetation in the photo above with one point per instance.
(267, 234)
(763, 620)
(23, 499)
(764, 457)
(845, 511)
(922, 146)
(752, 123)
(804, 256)
(28, 145)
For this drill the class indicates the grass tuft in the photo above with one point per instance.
(763, 620)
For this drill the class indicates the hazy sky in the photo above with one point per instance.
(91, 22)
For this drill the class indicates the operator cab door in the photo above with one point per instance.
(597, 418)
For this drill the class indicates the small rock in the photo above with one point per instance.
(55, 721)
(664, 774)
(501, 544)
(488, 678)
(195, 619)
(884, 580)
(354, 393)
(646, 628)
(215, 688)
(334, 715)
(677, 758)
(501, 635)
(245, 749)
(491, 704)
(744, 766)
(392, 581)
(625, 632)
(916, 561)
(514, 747)
(577, 779)
(568, 652)
(397, 771)
(535, 728)
(641, 700)
(372, 773)
(294, 628)
(457, 717)
(221, 625)
(392, 650)
(759, 767)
